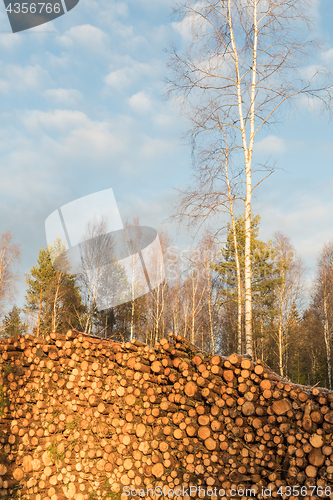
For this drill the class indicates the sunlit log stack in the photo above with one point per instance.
(84, 418)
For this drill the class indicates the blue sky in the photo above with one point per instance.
(82, 110)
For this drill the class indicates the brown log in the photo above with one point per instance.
(316, 457)
(281, 407)
(316, 441)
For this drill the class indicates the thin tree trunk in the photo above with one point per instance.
(280, 344)
(132, 318)
(193, 312)
(185, 317)
(54, 312)
(238, 273)
(247, 268)
(39, 311)
(280, 327)
(327, 339)
(211, 331)
(248, 170)
(157, 314)
(242, 324)
(133, 295)
(239, 290)
(248, 150)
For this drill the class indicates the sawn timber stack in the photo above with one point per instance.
(82, 418)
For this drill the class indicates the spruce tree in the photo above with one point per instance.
(53, 297)
(12, 325)
(264, 277)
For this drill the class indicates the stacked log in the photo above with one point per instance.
(91, 419)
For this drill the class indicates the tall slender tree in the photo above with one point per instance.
(241, 65)
(264, 277)
(39, 281)
(12, 325)
(52, 298)
(10, 255)
(287, 292)
(322, 302)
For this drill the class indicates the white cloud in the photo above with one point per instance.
(140, 102)
(119, 78)
(153, 148)
(58, 120)
(86, 36)
(311, 72)
(69, 97)
(327, 56)
(192, 22)
(15, 78)
(108, 10)
(271, 144)
(150, 4)
(151, 208)
(21, 172)
(73, 137)
(99, 141)
(304, 215)
(10, 41)
(164, 120)
(126, 36)
(312, 104)
(131, 72)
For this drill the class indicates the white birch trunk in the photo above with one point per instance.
(238, 273)
(327, 337)
(248, 151)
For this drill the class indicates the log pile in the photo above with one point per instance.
(92, 419)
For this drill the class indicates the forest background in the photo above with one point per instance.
(197, 299)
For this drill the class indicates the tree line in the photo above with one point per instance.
(239, 65)
(199, 299)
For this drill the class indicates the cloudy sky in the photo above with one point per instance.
(82, 111)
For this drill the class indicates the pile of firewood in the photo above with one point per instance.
(92, 419)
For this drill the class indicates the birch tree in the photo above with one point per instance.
(242, 64)
(173, 271)
(10, 255)
(102, 278)
(211, 311)
(158, 300)
(95, 254)
(323, 302)
(214, 191)
(137, 276)
(287, 291)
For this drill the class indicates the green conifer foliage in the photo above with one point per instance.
(264, 277)
(12, 325)
(53, 298)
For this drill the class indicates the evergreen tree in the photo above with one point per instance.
(52, 298)
(57, 251)
(297, 359)
(12, 325)
(311, 349)
(264, 277)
